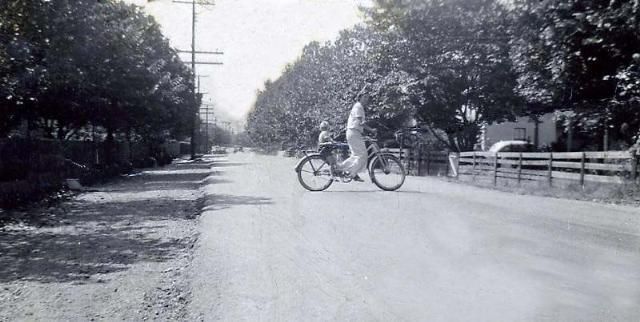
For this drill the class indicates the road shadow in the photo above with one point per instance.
(173, 177)
(222, 164)
(374, 191)
(104, 231)
(215, 202)
(59, 257)
(216, 180)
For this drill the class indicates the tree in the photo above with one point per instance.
(579, 54)
(322, 85)
(23, 39)
(456, 57)
(69, 64)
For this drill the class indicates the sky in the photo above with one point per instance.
(258, 38)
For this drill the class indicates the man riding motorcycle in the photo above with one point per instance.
(357, 160)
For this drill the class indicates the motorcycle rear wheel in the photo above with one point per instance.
(314, 173)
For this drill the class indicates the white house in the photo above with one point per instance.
(542, 133)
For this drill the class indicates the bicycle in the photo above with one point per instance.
(317, 170)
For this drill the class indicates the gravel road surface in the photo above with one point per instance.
(433, 251)
(114, 253)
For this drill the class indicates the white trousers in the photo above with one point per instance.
(358, 159)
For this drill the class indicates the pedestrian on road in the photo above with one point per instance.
(355, 128)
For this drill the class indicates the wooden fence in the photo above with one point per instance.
(423, 162)
(604, 167)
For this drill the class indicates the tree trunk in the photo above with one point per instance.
(61, 132)
(129, 134)
(109, 147)
(452, 142)
(468, 137)
(570, 135)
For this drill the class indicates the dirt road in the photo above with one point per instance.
(270, 251)
(433, 251)
(116, 253)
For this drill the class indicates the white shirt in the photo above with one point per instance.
(325, 136)
(356, 117)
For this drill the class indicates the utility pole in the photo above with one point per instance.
(206, 124)
(207, 110)
(193, 51)
(227, 127)
(215, 124)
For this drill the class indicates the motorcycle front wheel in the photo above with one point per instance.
(387, 172)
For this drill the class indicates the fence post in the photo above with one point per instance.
(96, 152)
(446, 171)
(550, 167)
(401, 150)
(419, 159)
(457, 164)
(495, 169)
(428, 162)
(634, 166)
(409, 157)
(473, 166)
(519, 167)
(582, 161)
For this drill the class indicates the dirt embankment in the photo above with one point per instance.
(117, 252)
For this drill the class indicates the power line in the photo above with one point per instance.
(206, 63)
(200, 52)
(195, 2)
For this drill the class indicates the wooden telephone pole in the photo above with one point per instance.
(208, 110)
(193, 52)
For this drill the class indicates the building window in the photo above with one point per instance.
(520, 133)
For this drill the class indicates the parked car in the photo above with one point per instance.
(513, 146)
(237, 148)
(218, 150)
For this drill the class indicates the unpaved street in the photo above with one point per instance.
(116, 253)
(267, 250)
(433, 251)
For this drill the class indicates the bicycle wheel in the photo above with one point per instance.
(387, 172)
(314, 173)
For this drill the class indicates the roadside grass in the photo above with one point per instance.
(623, 194)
